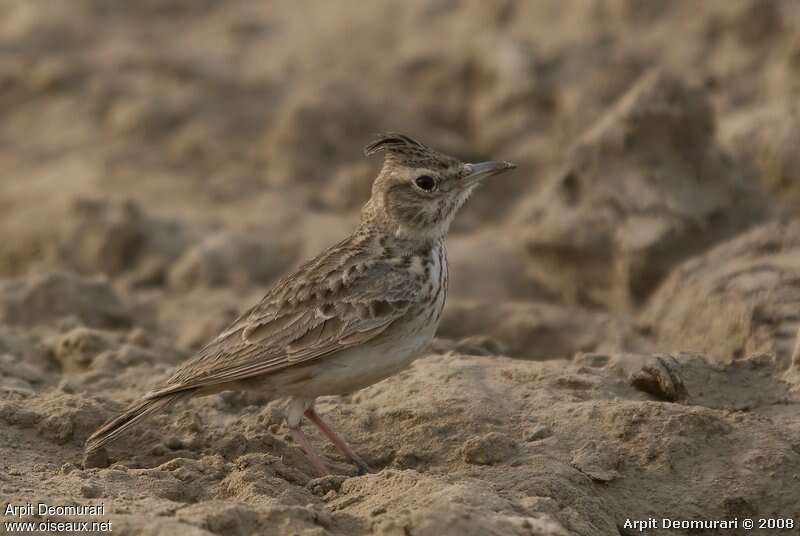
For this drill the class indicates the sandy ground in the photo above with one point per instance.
(621, 338)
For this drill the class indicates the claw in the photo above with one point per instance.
(363, 468)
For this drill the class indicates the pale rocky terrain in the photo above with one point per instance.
(621, 337)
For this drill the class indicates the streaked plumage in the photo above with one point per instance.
(354, 315)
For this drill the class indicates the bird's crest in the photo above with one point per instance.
(394, 142)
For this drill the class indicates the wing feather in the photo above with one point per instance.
(353, 303)
(253, 359)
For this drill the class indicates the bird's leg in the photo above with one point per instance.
(311, 454)
(293, 418)
(338, 442)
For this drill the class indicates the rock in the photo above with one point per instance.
(143, 118)
(258, 476)
(513, 98)
(91, 490)
(113, 238)
(793, 374)
(768, 138)
(427, 504)
(696, 379)
(326, 484)
(26, 364)
(755, 22)
(471, 256)
(192, 153)
(9, 384)
(643, 189)
(220, 307)
(42, 299)
(538, 433)
(105, 237)
(95, 458)
(637, 13)
(224, 517)
(500, 104)
(76, 349)
(226, 259)
(454, 520)
(489, 449)
(536, 330)
(152, 525)
(661, 379)
(459, 413)
(599, 75)
(35, 244)
(59, 417)
(321, 128)
(596, 462)
(15, 367)
(350, 186)
(431, 74)
(738, 299)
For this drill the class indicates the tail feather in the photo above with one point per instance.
(130, 417)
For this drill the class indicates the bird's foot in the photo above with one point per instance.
(363, 468)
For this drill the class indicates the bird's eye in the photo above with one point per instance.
(425, 182)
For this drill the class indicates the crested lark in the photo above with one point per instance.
(354, 315)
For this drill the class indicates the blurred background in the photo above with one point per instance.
(191, 151)
(163, 162)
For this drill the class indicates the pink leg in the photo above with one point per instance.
(338, 442)
(312, 455)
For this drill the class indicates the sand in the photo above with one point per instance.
(620, 341)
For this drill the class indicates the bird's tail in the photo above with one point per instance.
(130, 417)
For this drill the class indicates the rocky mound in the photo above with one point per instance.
(738, 299)
(622, 336)
(646, 187)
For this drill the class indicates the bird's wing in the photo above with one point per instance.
(337, 301)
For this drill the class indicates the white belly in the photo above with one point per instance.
(352, 369)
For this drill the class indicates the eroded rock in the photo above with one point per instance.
(645, 188)
(768, 138)
(42, 299)
(226, 259)
(120, 238)
(538, 330)
(738, 299)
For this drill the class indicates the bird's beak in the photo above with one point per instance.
(481, 170)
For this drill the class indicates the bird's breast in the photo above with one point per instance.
(393, 350)
(436, 285)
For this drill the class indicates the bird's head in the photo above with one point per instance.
(419, 190)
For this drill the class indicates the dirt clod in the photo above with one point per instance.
(621, 338)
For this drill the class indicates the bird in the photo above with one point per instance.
(359, 312)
